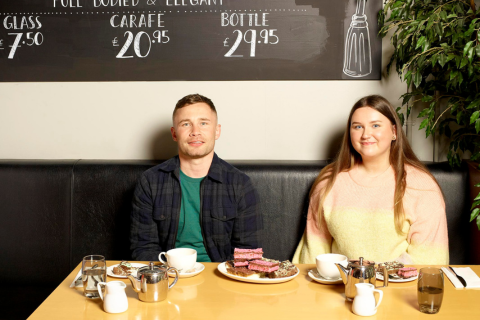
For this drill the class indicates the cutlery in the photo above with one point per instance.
(464, 283)
(81, 276)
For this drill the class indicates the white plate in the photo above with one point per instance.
(198, 268)
(135, 265)
(316, 277)
(380, 277)
(223, 270)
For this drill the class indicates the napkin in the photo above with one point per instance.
(75, 279)
(471, 278)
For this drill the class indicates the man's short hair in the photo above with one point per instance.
(192, 99)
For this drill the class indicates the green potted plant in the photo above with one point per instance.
(437, 52)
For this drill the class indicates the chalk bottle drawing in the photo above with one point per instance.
(358, 56)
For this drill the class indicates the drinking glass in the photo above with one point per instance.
(430, 290)
(93, 271)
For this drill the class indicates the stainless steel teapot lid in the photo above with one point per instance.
(151, 270)
(360, 263)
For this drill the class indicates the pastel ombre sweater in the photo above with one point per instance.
(358, 221)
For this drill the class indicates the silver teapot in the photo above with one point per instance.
(359, 271)
(151, 282)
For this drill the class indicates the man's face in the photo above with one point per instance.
(195, 129)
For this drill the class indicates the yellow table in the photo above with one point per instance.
(211, 295)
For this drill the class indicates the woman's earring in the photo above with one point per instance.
(394, 137)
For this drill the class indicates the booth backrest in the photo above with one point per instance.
(55, 212)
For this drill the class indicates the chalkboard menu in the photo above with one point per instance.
(156, 40)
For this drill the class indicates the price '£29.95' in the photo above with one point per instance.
(250, 36)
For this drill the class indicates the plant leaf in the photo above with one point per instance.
(417, 79)
(477, 125)
(474, 104)
(443, 15)
(423, 124)
(442, 59)
(425, 46)
(474, 116)
(459, 116)
(474, 214)
(427, 98)
(420, 42)
(423, 113)
(467, 47)
(434, 59)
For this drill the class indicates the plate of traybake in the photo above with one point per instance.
(222, 267)
(122, 269)
(397, 272)
(395, 279)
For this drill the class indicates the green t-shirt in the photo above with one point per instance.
(189, 233)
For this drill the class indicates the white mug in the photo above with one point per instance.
(364, 301)
(115, 300)
(182, 259)
(326, 265)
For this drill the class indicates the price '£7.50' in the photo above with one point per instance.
(32, 38)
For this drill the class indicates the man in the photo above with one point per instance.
(194, 200)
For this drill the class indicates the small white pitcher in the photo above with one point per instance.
(364, 302)
(115, 300)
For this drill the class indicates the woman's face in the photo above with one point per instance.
(371, 134)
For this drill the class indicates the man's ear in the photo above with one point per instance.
(174, 134)
(218, 131)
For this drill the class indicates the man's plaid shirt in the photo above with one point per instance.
(228, 214)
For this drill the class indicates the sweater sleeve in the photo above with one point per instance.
(428, 235)
(316, 239)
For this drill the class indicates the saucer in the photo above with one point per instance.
(316, 277)
(198, 268)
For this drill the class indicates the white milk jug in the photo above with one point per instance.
(364, 302)
(115, 299)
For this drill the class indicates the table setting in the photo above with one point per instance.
(215, 290)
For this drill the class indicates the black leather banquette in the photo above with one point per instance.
(55, 212)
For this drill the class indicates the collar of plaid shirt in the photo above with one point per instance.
(173, 164)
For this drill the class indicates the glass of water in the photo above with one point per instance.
(93, 271)
(430, 290)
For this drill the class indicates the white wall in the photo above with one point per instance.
(301, 120)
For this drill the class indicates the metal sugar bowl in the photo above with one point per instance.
(151, 282)
(359, 271)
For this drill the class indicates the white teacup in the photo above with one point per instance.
(326, 265)
(182, 259)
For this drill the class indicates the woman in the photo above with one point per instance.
(376, 200)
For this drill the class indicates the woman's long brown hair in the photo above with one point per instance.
(400, 154)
